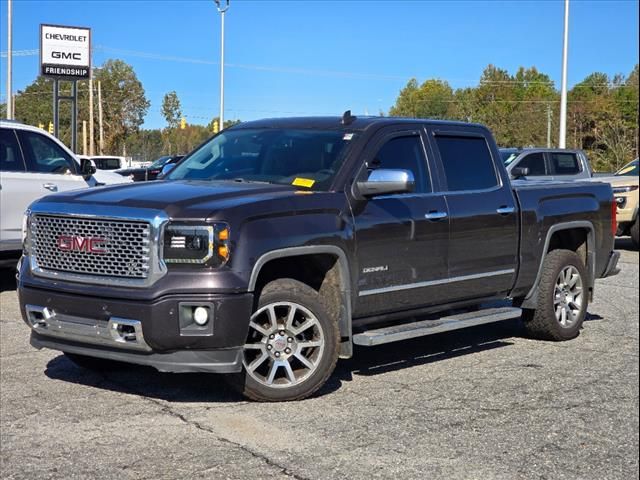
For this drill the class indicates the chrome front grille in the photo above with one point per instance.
(91, 246)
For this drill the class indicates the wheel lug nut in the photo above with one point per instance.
(290, 339)
(281, 333)
(269, 347)
(272, 336)
(277, 354)
(287, 350)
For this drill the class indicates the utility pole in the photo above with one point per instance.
(84, 137)
(92, 149)
(548, 126)
(562, 140)
(10, 108)
(101, 144)
(222, 10)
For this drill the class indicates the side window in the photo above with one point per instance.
(535, 163)
(565, 163)
(10, 156)
(404, 153)
(44, 155)
(467, 163)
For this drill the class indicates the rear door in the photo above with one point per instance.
(401, 239)
(483, 240)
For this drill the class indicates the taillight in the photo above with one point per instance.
(614, 221)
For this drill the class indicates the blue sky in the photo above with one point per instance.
(322, 57)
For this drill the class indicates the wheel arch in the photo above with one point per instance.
(561, 235)
(344, 278)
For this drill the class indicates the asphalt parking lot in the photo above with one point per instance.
(485, 403)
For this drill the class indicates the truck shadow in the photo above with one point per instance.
(371, 361)
(7, 279)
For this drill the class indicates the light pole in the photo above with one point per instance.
(9, 60)
(562, 141)
(222, 6)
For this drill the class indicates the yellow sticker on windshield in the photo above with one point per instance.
(303, 182)
(625, 170)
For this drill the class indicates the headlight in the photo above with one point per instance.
(196, 244)
(628, 189)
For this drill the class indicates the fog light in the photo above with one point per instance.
(200, 315)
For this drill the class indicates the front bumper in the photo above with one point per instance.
(210, 361)
(612, 265)
(144, 332)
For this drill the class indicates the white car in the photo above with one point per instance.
(109, 162)
(105, 177)
(33, 164)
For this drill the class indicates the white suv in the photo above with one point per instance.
(34, 164)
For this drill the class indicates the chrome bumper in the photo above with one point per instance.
(117, 332)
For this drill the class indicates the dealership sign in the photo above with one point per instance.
(65, 52)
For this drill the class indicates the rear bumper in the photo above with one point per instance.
(211, 361)
(612, 265)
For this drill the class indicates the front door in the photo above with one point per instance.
(400, 250)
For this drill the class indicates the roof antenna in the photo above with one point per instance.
(347, 118)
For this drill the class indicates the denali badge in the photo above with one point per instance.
(381, 268)
(73, 243)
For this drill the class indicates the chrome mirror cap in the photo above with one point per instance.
(387, 181)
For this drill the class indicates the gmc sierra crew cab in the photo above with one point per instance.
(277, 245)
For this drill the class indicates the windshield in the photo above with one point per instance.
(302, 158)
(160, 162)
(631, 169)
(508, 156)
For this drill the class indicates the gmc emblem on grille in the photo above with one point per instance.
(74, 243)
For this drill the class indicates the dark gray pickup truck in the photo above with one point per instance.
(277, 245)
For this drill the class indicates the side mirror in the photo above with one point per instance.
(166, 169)
(519, 172)
(385, 182)
(87, 167)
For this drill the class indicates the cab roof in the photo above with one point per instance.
(357, 123)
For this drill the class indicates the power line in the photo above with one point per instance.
(304, 71)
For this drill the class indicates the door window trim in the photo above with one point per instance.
(462, 133)
(28, 160)
(20, 152)
(552, 165)
(379, 140)
(545, 161)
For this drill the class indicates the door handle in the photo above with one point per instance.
(505, 210)
(50, 186)
(436, 215)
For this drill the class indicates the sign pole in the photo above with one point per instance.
(55, 107)
(74, 116)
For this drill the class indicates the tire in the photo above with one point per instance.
(562, 287)
(634, 233)
(292, 345)
(93, 363)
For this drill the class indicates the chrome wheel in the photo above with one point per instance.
(568, 296)
(284, 346)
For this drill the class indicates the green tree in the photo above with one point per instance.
(171, 109)
(432, 99)
(124, 103)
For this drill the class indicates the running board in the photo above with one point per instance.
(405, 331)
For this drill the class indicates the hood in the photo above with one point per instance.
(181, 199)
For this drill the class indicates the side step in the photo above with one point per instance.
(405, 331)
